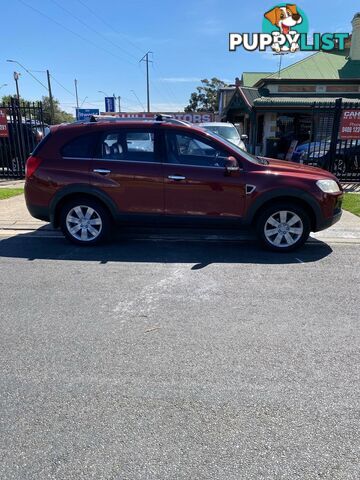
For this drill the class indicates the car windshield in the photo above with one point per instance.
(248, 156)
(227, 131)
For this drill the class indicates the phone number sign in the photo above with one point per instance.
(4, 131)
(350, 124)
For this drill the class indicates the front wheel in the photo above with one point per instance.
(283, 228)
(85, 221)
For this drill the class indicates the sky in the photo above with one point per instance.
(100, 43)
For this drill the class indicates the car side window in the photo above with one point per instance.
(80, 147)
(187, 149)
(128, 145)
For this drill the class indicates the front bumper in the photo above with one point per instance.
(327, 222)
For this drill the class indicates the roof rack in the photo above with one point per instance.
(158, 117)
(163, 117)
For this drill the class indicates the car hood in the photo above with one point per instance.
(299, 168)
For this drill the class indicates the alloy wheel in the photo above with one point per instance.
(283, 229)
(84, 223)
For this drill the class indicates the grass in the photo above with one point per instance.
(352, 203)
(10, 192)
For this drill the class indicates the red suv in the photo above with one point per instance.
(86, 177)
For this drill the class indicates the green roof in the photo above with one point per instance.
(250, 78)
(321, 66)
(301, 101)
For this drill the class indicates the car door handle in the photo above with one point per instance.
(101, 171)
(176, 177)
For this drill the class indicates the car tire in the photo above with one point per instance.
(283, 227)
(85, 221)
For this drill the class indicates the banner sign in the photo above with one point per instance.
(84, 113)
(109, 104)
(350, 124)
(193, 117)
(4, 131)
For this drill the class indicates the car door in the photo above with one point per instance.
(127, 166)
(196, 181)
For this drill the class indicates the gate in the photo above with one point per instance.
(335, 146)
(22, 127)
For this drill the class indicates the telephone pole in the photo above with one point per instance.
(145, 59)
(76, 93)
(16, 78)
(52, 112)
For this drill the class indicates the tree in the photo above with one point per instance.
(6, 100)
(205, 99)
(60, 116)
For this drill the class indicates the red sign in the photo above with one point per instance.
(4, 132)
(350, 124)
(193, 117)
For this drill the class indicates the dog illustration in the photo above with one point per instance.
(284, 18)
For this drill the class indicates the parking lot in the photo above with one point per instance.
(161, 359)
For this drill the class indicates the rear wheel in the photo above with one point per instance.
(283, 227)
(85, 221)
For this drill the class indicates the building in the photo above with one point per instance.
(274, 109)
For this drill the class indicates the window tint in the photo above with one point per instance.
(124, 144)
(80, 147)
(186, 149)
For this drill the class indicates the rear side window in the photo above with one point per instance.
(40, 145)
(129, 145)
(80, 147)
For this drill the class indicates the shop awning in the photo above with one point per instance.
(299, 101)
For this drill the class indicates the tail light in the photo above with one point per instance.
(32, 164)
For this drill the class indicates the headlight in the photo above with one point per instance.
(328, 186)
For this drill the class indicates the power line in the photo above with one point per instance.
(74, 33)
(93, 30)
(169, 90)
(29, 72)
(110, 26)
(62, 86)
(167, 87)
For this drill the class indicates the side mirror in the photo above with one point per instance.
(244, 137)
(231, 165)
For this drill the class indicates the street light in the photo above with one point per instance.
(28, 71)
(3, 85)
(101, 91)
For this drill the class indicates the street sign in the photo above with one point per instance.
(350, 124)
(4, 131)
(84, 113)
(109, 104)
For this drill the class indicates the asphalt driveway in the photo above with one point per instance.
(177, 360)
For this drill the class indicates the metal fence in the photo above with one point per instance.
(22, 130)
(327, 148)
